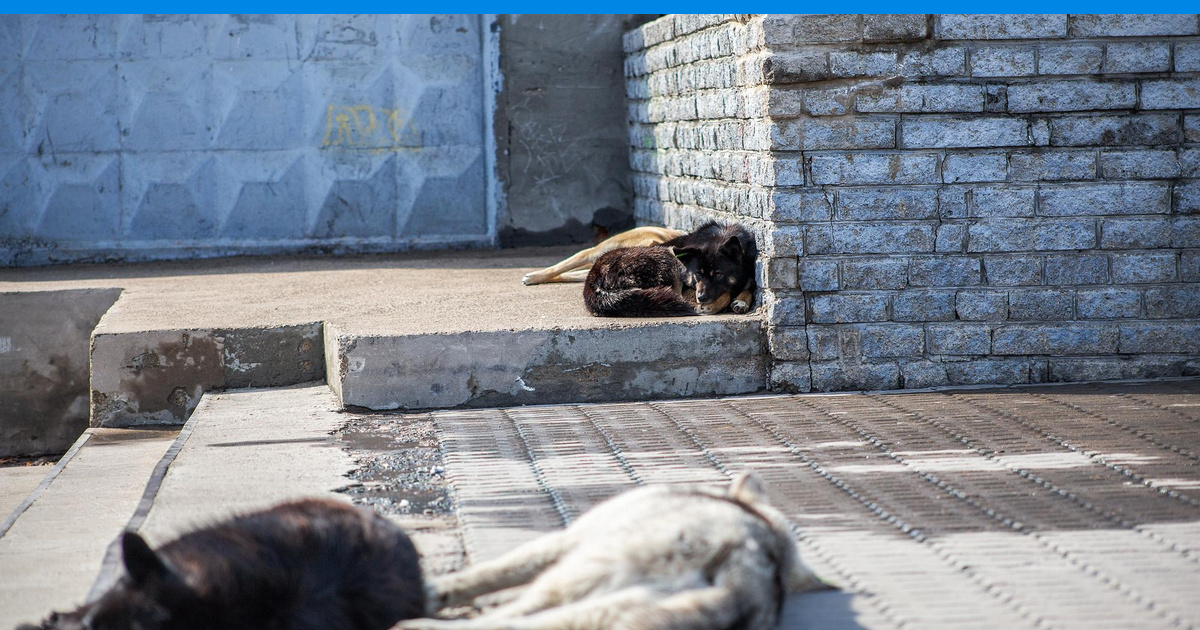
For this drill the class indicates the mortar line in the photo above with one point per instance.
(991, 455)
(998, 516)
(612, 446)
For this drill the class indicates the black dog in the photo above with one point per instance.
(717, 261)
(306, 565)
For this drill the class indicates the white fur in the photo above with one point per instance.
(654, 558)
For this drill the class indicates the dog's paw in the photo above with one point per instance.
(707, 309)
(741, 307)
(528, 279)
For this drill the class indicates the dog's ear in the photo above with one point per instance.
(747, 488)
(141, 563)
(732, 248)
(684, 253)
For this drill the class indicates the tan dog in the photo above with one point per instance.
(575, 268)
(654, 558)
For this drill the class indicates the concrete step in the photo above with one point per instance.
(413, 331)
(53, 543)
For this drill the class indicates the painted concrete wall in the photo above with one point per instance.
(941, 199)
(561, 129)
(131, 137)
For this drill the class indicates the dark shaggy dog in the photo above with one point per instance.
(306, 565)
(717, 261)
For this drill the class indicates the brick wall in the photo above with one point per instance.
(945, 199)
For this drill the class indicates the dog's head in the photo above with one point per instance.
(748, 490)
(714, 268)
(151, 596)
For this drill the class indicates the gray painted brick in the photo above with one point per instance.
(1106, 199)
(894, 28)
(998, 371)
(1070, 58)
(913, 305)
(923, 98)
(1153, 164)
(1138, 57)
(787, 309)
(1069, 269)
(1143, 233)
(790, 377)
(848, 308)
(1041, 304)
(1001, 26)
(1055, 339)
(837, 376)
(974, 167)
(872, 168)
(783, 240)
(818, 275)
(781, 273)
(1173, 302)
(824, 134)
(981, 305)
(779, 28)
(1143, 268)
(1160, 338)
(1108, 303)
(818, 239)
(1189, 267)
(919, 133)
(952, 202)
(1186, 232)
(1077, 370)
(1002, 61)
(805, 205)
(877, 273)
(1189, 162)
(959, 339)
(877, 341)
(827, 102)
(995, 98)
(796, 67)
(1171, 94)
(951, 237)
(1187, 56)
(1134, 129)
(938, 62)
(887, 203)
(943, 271)
(1071, 96)
(824, 342)
(1052, 165)
(1013, 271)
(845, 64)
(921, 374)
(882, 238)
(1187, 197)
(1016, 235)
(1131, 25)
(1191, 128)
(1001, 201)
(788, 343)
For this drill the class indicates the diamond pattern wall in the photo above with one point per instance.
(135, 137)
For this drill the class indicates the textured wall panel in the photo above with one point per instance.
(130, 137)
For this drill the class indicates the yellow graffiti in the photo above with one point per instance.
(357, 127)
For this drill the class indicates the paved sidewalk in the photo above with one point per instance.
(1048, 507)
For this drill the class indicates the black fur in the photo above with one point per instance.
(719, 260)
(306, 565)
(715, 260)
(636, 282)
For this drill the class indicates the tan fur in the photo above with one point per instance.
(575, 268)
(654, 558)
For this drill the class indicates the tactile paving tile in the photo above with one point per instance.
(1055, 507)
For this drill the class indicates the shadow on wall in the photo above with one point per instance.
(44, 349)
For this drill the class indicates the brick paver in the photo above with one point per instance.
(1048, 507)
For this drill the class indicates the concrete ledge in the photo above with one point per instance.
(710, 356)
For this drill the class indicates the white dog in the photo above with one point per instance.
(654, 558)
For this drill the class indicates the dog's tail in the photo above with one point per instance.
(651, 302)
